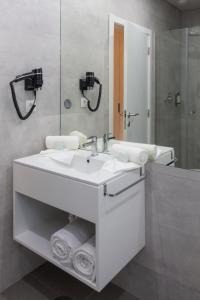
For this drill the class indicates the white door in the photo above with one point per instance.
(137, 85)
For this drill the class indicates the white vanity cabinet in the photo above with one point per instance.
(44, 196)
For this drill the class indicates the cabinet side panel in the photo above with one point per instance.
(120, 235)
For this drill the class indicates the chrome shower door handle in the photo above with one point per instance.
(133, 115)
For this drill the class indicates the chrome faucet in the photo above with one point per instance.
(106, 139)
(92, 141)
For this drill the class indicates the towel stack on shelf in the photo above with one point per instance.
(74, 247)
(84, 261)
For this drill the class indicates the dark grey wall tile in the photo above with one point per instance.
(169, 266)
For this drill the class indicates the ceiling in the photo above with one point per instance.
(185, 4)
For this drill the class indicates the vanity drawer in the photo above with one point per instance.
(75, 197)
(119, 190)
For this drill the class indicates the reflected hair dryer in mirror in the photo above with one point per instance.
(88, 84)
(32, 82)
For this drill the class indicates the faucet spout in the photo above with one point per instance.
(92, 141)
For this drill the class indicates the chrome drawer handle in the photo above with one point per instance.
(123, 190)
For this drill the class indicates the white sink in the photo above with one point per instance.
(82, 160)
(88, 165)
(83, 166)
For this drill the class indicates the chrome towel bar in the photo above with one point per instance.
(123, 190)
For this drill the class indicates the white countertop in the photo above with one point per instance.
(45, 163)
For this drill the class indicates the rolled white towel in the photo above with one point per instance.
(150, 148)
(129, 154)
(62, 142)
(82, 137)
(65, 241)
(84, 260)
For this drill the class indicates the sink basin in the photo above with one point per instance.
(81, 160)
(87, 164)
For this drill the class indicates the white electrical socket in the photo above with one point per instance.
(84, 102)
(29, 104)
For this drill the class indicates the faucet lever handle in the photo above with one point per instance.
(93, 138)
(108, 136)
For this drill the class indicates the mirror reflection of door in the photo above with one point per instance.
(137, 85)
(131, 82)
(118, 113)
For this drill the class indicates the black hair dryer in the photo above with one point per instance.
(88, 84)
(32, 82)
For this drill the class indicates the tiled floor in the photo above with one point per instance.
(48, 282)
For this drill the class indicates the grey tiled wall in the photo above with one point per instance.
(168, 80)
(169, 266)
(193, 143)
(190, 18)
(30, 37)
(29, 33)
(177, 70)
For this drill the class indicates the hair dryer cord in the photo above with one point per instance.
(16, 103)
(98, 101)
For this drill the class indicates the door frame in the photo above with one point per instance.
(112, 20)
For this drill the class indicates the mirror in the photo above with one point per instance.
(173, 118)
(84, 48)
(130, 81)
(163, 71)
(178, 94)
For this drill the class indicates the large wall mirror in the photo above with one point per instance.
(130, 69)
(151, 87)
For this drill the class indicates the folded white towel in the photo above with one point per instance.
(126, 153)
(84, 260)
(115, 166)
(64, 157)
(65, 241)
(48, 152)
(82, 137)
(163, 150)
(62, 142)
